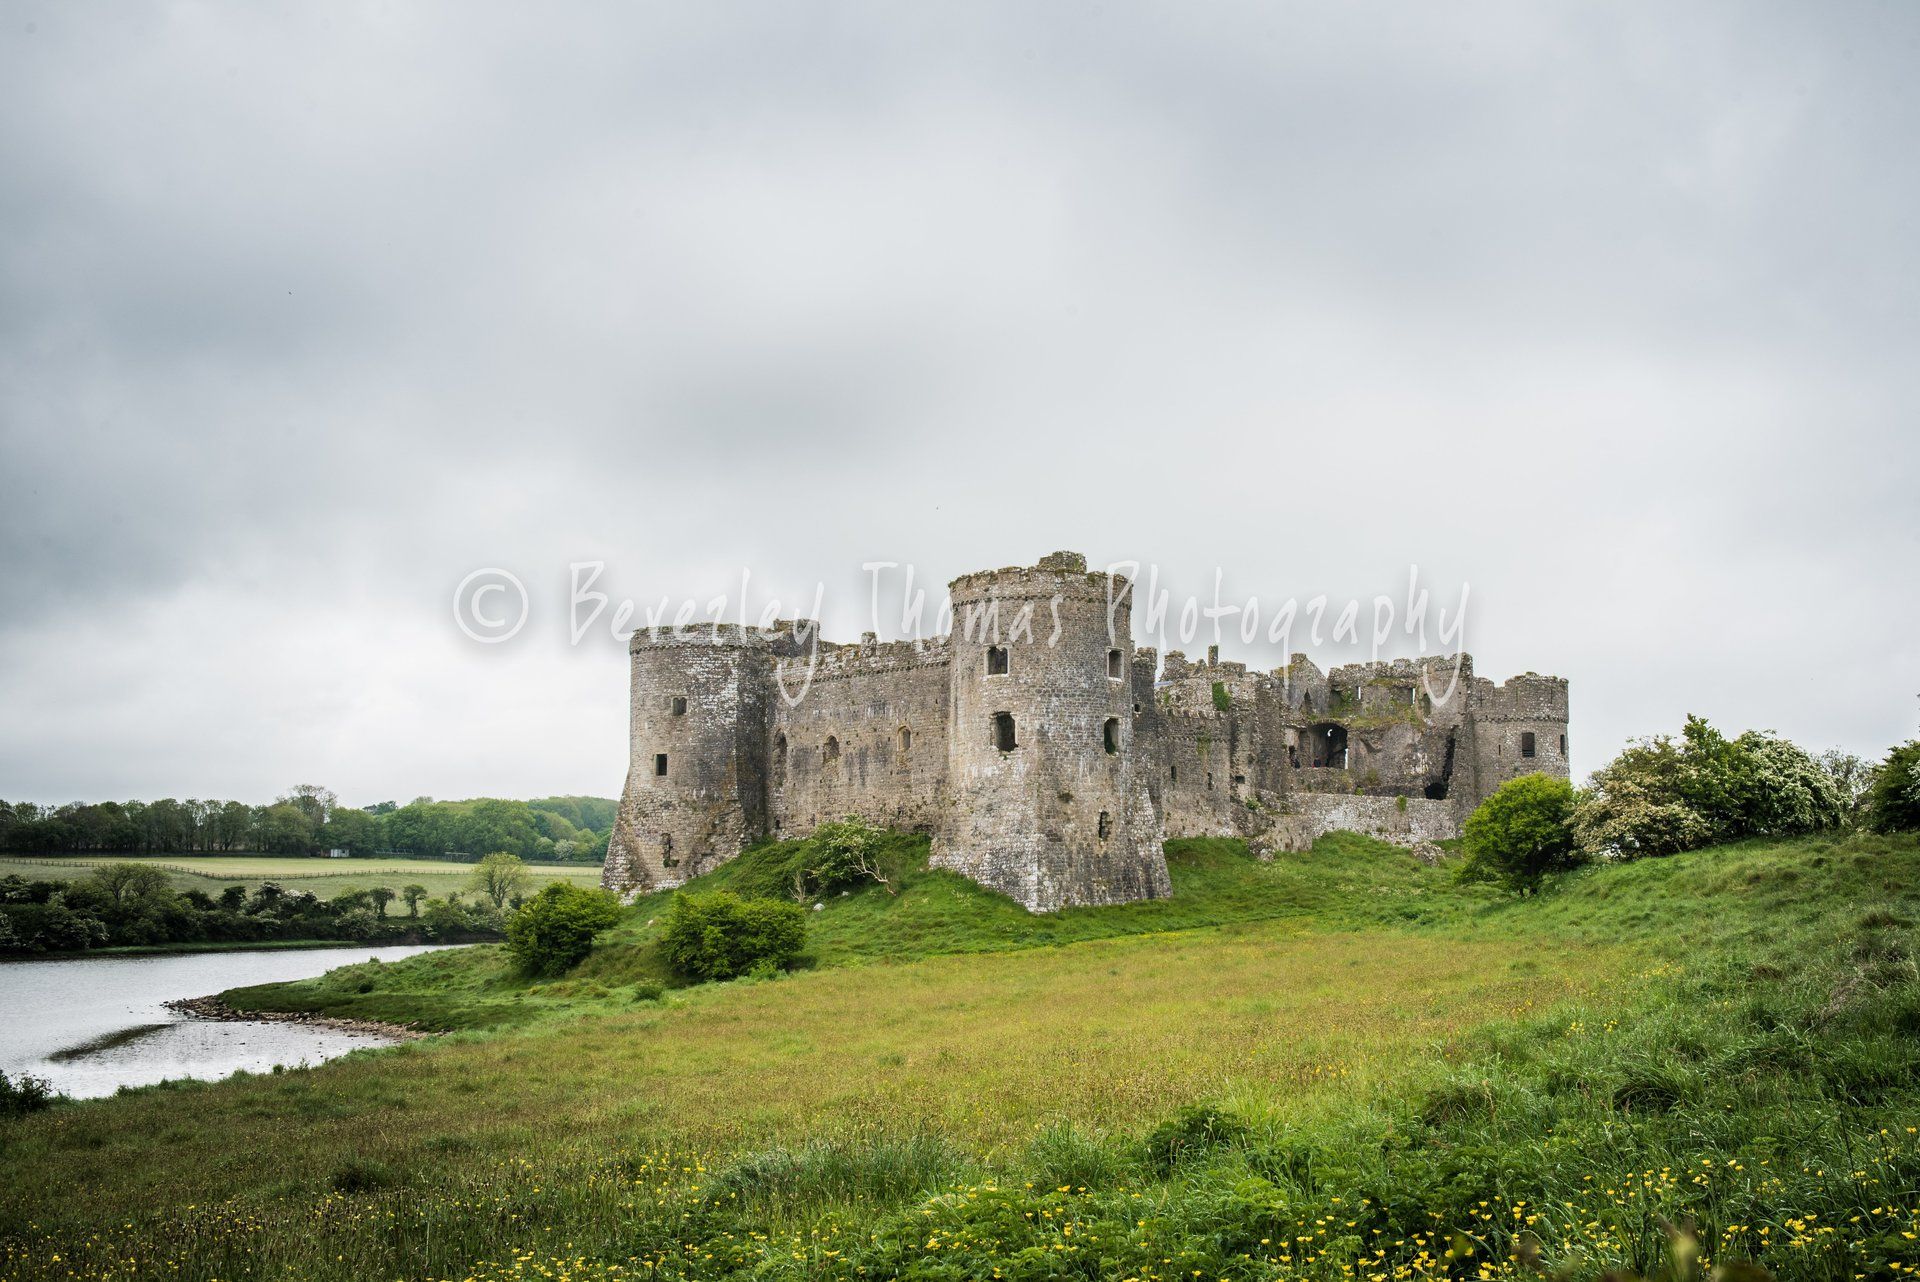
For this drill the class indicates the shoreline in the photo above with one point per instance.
(213, 1008)
(187, 948)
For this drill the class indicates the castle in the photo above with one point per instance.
(1050, 761)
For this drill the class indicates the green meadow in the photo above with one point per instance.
(1342, 1064)
(323, 877)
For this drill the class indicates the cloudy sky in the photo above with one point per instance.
(1602, 314)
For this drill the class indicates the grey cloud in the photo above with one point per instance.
(305, 313)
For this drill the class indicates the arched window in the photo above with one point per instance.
(1526, 743)
(996, 661)
(1116, 665)
(830, 753)
(906, 740)
(1111, 734)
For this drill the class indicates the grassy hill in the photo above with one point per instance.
(1339, 1064)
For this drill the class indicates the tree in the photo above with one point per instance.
(1524, 830)
(354, 831)
(1661, 795)
(311, 800)
(1633, 805)
(413, 893)
(1852, 776)
(381, 897)
(284, 829)
(555, 929)
(718, 935)
(128, 884)
(840, 854)
(1790, 792)
(498, 876)
(1893, 800)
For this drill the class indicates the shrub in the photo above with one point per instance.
(1893, 798)
(1662, 796)
(840, 854)
(720, 935)
(1524, 830)
(555, 929)
(23, 1094)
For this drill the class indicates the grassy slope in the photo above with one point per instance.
(1345, 882)
(1750, 1008)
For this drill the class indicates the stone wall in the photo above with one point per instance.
(1404, 821)
(868, 737)
(1047, 757)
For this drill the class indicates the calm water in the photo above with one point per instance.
(91, 1025)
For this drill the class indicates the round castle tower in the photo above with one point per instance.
(1046, 800)
(696, 789)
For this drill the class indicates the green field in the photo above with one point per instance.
(320, 876)
(1341, 1064)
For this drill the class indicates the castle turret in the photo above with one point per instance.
(1517, 728)
(696, 789)
(1046, 801)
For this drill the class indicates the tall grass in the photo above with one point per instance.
(1663, 1067)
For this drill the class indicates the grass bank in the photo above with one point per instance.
(1336, 1065)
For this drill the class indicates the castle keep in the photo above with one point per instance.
(1047, 757)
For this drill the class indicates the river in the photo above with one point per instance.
(90, 1025)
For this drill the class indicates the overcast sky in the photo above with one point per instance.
(1605, 314)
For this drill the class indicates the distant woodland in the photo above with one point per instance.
(310, 820)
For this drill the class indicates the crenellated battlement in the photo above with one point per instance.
(1048, 756)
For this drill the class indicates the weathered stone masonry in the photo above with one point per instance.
(1046, 759)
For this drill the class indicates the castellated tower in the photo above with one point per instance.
(1043, 755)
(1046, 801)
(696, 789)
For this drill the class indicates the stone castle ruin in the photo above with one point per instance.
(1049, 760)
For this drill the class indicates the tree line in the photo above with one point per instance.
(309, 819)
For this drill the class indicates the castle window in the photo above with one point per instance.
(1326, 747)
(1003, 732)
(1112, 734)
(906, 739)
(1173, 774)
(1209, 781)
(1563, 745)
(666, 851)
(1526, 743)
(1116, 665)
(660, 765)
(996, 661)
(779, 760)
(830, 751)
(1106, 825)
(679, 705)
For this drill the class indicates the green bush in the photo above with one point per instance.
(555, 929)
(1523, 831)
(1664, 795)
(1893, 798)
(720, 935)
(23, 1094)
